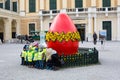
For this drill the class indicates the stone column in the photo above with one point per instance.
(84, 3)
(72, 4)
(118, 26)
(118, 20)
(11, 5)
(27, 6)
(89, 35)
(64, 4)
(41, 23)
(93, 3)
(59, 4)
(17, 6)
(95, 27)
(37, 7)
(22, 7)
(89, 23)
(3, 4)
(47, 5)
(42, 4)
(18, 26)
(118, 2)
(8, 30)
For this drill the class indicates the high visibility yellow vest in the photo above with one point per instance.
(30, 56)
(33, 48)
(44, 50)
(40, 55)
(23, 53)
(35, 56)
(26, 56)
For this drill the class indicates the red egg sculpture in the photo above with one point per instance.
(63, 35)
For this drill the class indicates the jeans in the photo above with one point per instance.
(49, 65)
(41, 64)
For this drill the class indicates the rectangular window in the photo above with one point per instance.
(31, 28)
(53, 4)
(15, 6)
(1, 5)
(7, 4)
(32, 5)
(106, 3)
(78, 3)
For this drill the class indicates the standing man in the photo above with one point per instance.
(82, 36)
(94, 38)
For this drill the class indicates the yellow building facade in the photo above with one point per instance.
(37, 15)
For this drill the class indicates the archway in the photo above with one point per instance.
(1, 29)
(14, 24)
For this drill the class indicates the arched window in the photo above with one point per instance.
(53, 4)
(78, 3)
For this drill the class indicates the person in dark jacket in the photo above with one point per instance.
(82, 37)
(94, 38)
(53, 61)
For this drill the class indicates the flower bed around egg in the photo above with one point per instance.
(85, 56)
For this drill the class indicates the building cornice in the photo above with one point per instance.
(6, 13)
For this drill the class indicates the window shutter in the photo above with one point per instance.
(78, 3)
(32, 5)
(53, 4)
(7, 5)
(1, 5)
(106, 3)
(31, 27)
(15, 6)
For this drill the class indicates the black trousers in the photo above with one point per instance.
(95, 41)
(55, 60)
(22, 61)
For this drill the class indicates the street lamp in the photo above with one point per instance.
(42, 33)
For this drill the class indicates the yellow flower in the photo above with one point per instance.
(62, 36)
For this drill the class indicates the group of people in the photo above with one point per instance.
(95, 37)
(35, 56)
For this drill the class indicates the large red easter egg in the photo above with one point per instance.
(63, 35)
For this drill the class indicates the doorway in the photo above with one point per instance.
(81, 30)
(1, 37)
(14, 25)
(107, 27)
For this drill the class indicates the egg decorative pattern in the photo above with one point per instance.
(63, 35)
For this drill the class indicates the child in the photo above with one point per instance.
(41, 58)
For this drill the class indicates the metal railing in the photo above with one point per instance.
(79, 10)
(107, 9)
(50, 11)
(86, 56)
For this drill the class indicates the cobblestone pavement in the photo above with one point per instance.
(108, 69)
